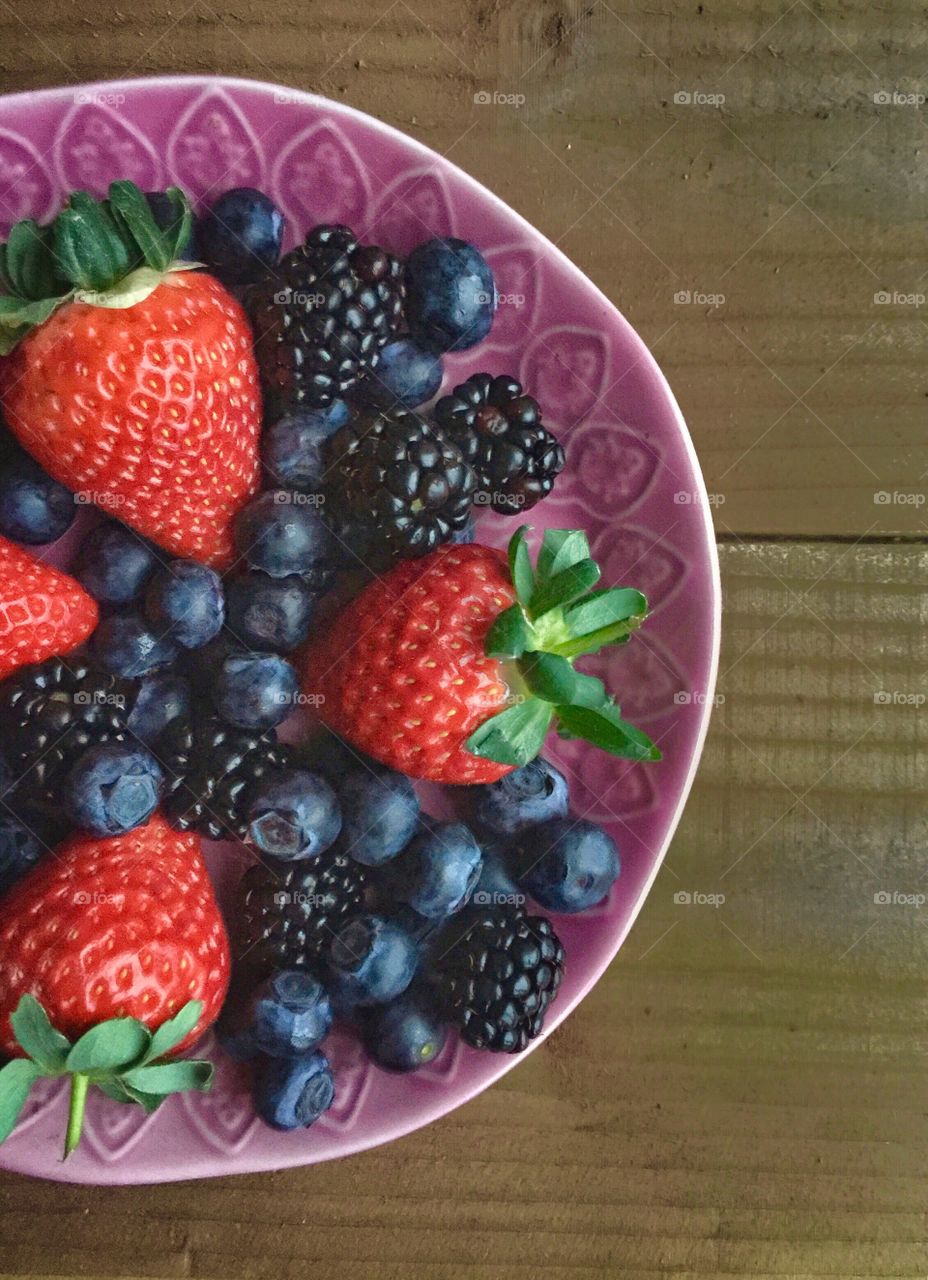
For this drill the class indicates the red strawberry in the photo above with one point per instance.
(150, 410)
(453, 667)
(113, 938)
(43, 612)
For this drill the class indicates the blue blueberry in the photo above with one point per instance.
(280, 535)
(535, 793)
(437, 871)
(114, 563)
(405, 375)
(164, 212)
(241, 235)
(126, 645)
(566, 865)
(404, 1034)
(34, 508)
(289, 1013)
(380, 812)
(254, 690)
(450, 295)
(292, 1093)
(292, 449)
(272, 614)
(186, 600)
(161, 698)
(496, 886)
(293, 814)
(20, 850)
(112, 788)
(373, 960)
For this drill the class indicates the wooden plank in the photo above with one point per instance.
(742, 1095)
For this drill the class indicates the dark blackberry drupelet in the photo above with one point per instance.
(288, 912)
(210, 771)
(50, 713)
(321, 316)
(499, 431)
(498, 976)
(396, 486)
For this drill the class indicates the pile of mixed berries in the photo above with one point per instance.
(287, 535)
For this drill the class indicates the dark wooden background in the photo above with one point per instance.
(744, 1093)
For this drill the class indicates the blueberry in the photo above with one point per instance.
(450, 295)
(280, 535)
(126, 645)
(566, 864)
(292, 448)
(436, 873)
(114, 563)
(496, 886)
(404, 1034)
(164, 212)
(289, 1013)
(161, 698)
(112, 788)
(292, 1093)
(20, 850)
(34, 508)
(241, 235)
(293, 814)
(266, 613)
(466, 535)
(372, 959)
(380, 812)
(254, 690)
(186, 600)
(535, 793)
(405, 375)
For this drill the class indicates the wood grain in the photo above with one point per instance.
(742, 1095)
(798, 199)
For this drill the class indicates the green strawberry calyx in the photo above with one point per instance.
(557, 618)
(109, 253)
(121, 1057)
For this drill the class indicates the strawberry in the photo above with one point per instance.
(118, 945)
(43, 612)
(130, 378)
(454, 666)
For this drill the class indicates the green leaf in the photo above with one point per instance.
(510, 635)
(560, 548)
(603, 727)
(178, 233)
(91, 252)
(127, 292)
(30, 262)
(150, 1101)
(618, 633)
(109, 1046)
(18, 312)
(603, 608)
(514, 736)
(170, 1077)
(170, 1033)
(549, 677)
(563, 587)
(47, 1047)
(520, 565)
(589, 691)
(10, 338)
(129, 206)
(113, 1089)
(16, 1079)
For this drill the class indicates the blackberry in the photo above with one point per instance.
(210, 770)
(50, 713)
(396, 485)
(499, 431)
(288, 912)
(321, 316)
(496, 980)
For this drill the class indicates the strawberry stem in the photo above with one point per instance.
(79, 1086)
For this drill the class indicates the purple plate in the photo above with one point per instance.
(632, 481)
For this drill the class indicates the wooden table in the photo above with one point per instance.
(744, 1093)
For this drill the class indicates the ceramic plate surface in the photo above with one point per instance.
(632, 481)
